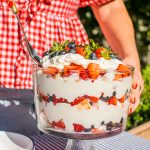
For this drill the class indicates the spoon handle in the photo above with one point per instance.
(33, 54)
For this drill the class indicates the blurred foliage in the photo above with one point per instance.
(139, 11)
(142, 113)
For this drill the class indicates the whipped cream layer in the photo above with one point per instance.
(62, 60)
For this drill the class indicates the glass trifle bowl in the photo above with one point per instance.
(82, 101)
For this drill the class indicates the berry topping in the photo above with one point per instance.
(92, 50)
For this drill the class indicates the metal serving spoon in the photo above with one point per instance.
(33, 54)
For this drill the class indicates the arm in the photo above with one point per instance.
(117, 27)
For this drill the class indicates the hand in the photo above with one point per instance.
(137, 85)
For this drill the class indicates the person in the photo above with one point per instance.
(45, 21)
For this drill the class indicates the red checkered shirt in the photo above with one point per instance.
(45, 22)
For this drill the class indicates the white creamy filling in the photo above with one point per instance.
(61, 60)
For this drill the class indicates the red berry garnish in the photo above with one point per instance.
(78, 127)
(98, 52)
(77, 101)
(122, 99)
(112, 100)
(80, 50)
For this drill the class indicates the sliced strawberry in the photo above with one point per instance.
(54, 123)
(43, 97)
(96, 130)
(78, 127)
(93, 70)
(123, 68)
(59, 100)
(83, 74)
(112, 101)
(61, 124)
(51, 71)
(118, 76)
(84, 105)
(80, 50)
(92, 99)
(77, 101)
(98, 52)
(122, 99)
(66, 71)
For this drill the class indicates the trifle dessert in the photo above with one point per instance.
(82, 91)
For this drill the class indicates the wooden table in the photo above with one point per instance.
(142, 131)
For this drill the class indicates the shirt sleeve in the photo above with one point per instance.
(84, 3)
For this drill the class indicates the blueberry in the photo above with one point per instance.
(114, 93)
(46, 53)
(91, 103)
(108, 127)
(121, 121)
(118, 125)
(72, 51)
(104, 99)
(113, 56)
(50, 98)
(110, 123)
(102, 123)
(93, 56)
(92, 127)
(72, 45)
(87, 129)
(62, 52)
